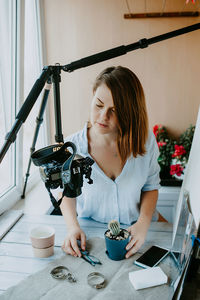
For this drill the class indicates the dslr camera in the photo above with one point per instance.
(61, 168)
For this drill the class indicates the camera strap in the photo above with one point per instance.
(55, 203)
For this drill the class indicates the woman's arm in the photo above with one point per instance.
(74, 232)
(68, 208)
(147, 206)
(139, 230)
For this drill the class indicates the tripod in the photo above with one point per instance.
(55, 77)
(39, 121)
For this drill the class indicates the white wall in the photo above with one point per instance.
(169, 70)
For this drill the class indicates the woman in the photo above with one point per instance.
(125, 173)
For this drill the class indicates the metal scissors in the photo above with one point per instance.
(88, 257)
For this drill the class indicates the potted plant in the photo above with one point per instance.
(181, 153)
(174, 154)
(116, 239)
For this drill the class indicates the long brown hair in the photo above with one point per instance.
(129, 102)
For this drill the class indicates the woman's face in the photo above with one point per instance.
(102, 116)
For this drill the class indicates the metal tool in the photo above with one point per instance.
(91, 259)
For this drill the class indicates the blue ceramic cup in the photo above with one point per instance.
(116, 249)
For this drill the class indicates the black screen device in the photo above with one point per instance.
(152, 257)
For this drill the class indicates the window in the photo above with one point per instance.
(20, 66)
(32, 69)
(8, 14)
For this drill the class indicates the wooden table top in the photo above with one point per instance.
(16, 256)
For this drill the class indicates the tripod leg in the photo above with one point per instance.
(39, 121)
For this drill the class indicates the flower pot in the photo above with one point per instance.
(116, 249)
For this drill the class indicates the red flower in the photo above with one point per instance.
(156, 129)
(176, 169)
(179, 150)
(161, 144)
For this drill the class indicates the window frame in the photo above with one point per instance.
(13, 194)
(34, 177)
(42, 61)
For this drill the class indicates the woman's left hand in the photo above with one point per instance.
(138, 232)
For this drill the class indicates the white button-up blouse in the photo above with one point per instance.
(106, 199)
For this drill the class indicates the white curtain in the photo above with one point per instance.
(20, 24)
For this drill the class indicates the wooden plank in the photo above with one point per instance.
(22, 226)
(59, 220)
(161, 227)
(160, 238)
(8, 220)
(23, 238)
(20, 265)
(23, 265)
(56, 220)
(17, 237)
(20, 233)
(162, 15)
(25, 227)
(24, 251)
(43, 219)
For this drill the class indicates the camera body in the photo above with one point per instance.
(61, 168)
(51, 174)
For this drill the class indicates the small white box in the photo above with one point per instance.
(147, 278)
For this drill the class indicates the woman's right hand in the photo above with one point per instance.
(70, 245)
